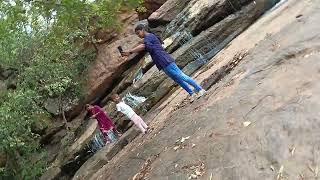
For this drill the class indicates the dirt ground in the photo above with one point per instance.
(259, 122)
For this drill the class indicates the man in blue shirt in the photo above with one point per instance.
(164, 61)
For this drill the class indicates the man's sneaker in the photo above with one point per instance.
(192, 97)
(201, 93)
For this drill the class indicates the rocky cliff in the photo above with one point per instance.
(259, 119)
(194, 33)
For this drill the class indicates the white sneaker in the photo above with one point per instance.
(192, 97)
(201, 93)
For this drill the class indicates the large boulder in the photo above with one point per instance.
(275, 88)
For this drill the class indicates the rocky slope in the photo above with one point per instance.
(207, 28)
(259, 119)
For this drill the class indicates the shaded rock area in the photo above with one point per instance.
(7, 78)
(259, 121)
(149, 6)
(3, 160)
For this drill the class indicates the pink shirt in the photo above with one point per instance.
(104, 121)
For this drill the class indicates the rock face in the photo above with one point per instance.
(149, 6)
(108, 66)
(205, 45)
(198, 16)
(167, 12)
(201, 14)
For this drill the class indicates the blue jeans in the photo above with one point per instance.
(181, 78)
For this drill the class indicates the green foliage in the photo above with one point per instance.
(141, 8)
(17, 113)
(44, 42)
(16, 109)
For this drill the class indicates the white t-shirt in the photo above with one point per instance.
(125, 109)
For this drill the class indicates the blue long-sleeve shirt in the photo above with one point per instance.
(159, 56)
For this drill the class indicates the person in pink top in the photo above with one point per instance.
(106, 125)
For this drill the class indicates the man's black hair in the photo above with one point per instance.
(142, 27)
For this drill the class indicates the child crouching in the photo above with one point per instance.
(105, 124)
(128, 111)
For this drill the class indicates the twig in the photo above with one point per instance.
(255, 106)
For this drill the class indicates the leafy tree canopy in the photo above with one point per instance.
(42, 41)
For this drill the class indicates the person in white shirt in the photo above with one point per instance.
(128, 111)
